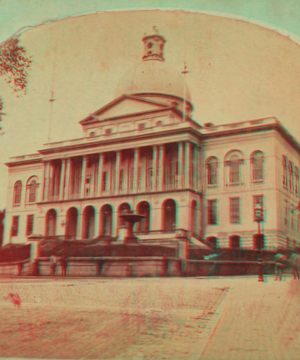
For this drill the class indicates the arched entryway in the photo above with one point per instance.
(88, 226)
(106, 222)
(195, 227)
(72, 223)
(169, 215)
(51, 220)
(234, 242)
(143, 208)
(212, 240)
(124, 208)
(259, 241)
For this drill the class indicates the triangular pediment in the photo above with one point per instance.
(124, 106)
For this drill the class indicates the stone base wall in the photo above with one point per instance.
(137, 267)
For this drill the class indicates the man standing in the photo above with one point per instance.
(53, 262)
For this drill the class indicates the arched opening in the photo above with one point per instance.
(106, 216)
(143, 208)
(258, 166)
(88, 227)
(213, 240)
(212, 171)
(17, 193)
(51, 220)
(31, 190)
(234, 242)
(195, 218)
(259, 241)
(169, 215)
(284, 171)
(124, 208)
(72, 223)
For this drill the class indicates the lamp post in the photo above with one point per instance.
(259, 217)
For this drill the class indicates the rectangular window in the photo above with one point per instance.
(104, 181)
(122, 177)
(285, 212)
(30, 223)
(235, 210)
(258, 199)
(292, 216)
(108, 131)
(15, 226)
(132, 178)
(288, 213)
(142, 126)
(212, 212)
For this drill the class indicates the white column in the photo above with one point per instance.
(162, 160)
(62, 179)
(100, 174)
(68, 180)
(188, 156)
(46, 164)
(118, 169)
(83, 176)
(136, 167)
(128, 174)
(194, 165)
(48, 181)
(154, 170)
(181, 165)
(198, 167)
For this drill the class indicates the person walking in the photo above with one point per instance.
(99, 266)
(281, 263)
(53, 263)
(64, 265)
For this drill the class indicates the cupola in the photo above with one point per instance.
(153, 46)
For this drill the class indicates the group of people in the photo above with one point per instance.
(283, 261)
(55, 260)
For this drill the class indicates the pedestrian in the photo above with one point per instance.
(64, 265)
(281, 263)
(53, 263)
(35, 268)
(294, 261)
(165, 265)
(99, 266)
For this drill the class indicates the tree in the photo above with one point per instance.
(14, 66)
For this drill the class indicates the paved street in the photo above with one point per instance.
(216, 318)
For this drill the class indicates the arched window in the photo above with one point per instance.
(17, 193)
(169, 215)
(32, 186)
(88, 227)
(291, 182)
(213, 240)
(143, 208)
(234, 242)
(296, 180)
(72, 223)
(212, 171)
(284, 171)
(51, 219)
(106, 215)
(195, 217)
(257, 166)
(234, 162)
(124, 208)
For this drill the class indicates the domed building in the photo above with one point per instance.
(222, 186)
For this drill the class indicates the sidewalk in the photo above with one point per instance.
(260, 321)
(228, 318)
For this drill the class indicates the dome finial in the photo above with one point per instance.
(154, 46)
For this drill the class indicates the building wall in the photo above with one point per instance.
(246, 144)
(22, 173)
(287, 196)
